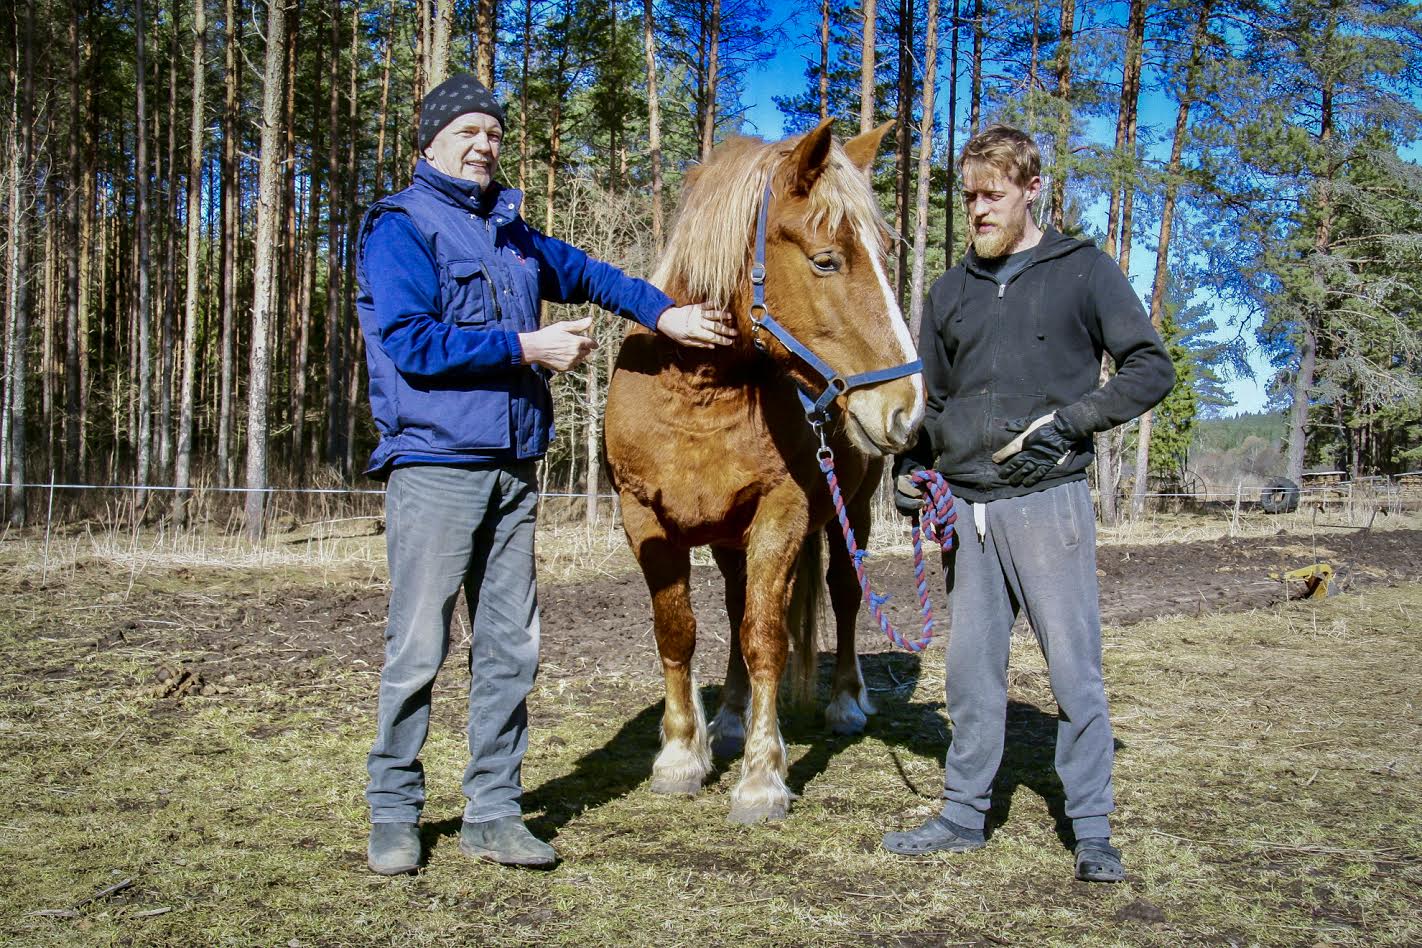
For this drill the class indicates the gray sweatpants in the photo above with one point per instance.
(1039, 553)
(448, 527)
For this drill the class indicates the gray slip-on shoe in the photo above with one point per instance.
(505, 841)
(938, 835)
(394, 848)
(1098, 861)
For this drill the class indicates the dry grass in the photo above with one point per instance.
(1268, 779)
(353, 545)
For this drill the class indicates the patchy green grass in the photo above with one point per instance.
(1267, 776)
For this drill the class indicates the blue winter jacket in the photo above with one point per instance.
(449, 276)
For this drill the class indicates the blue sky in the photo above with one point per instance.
(783, 74)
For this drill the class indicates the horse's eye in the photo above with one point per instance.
(825, 262)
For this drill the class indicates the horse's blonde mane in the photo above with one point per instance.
(707, 247)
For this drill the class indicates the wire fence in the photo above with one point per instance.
(63, 501)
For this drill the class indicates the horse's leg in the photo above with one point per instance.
(776, 536)
(849, 703)
(728, 728)
(685, 758)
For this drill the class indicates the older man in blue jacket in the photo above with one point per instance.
(451, 279)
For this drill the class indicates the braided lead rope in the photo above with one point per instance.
(938, 505)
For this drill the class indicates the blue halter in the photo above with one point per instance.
(817, 407)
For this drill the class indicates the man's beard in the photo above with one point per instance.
(1001, 239)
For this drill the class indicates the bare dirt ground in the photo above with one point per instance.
(186, 729)
(603, 625)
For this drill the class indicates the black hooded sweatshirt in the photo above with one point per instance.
(994, 354)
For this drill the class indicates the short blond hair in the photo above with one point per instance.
(1006, 150)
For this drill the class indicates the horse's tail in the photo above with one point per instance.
(803, 620)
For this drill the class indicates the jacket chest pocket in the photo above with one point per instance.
(469, 294)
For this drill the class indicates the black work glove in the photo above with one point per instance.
(1042, 450)
(908, 496)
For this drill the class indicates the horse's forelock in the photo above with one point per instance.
(706, 251)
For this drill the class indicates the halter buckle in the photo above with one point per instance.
(756, 339)
(825, 454)
(757, 274)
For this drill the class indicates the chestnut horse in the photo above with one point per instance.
(713, 448)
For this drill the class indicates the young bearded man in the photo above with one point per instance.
(1011, 342)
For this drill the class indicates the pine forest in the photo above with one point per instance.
(182, 184)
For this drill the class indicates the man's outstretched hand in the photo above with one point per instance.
(558, 346)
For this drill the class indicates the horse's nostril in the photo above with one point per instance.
(899, 427)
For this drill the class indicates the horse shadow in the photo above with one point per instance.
(624, 762)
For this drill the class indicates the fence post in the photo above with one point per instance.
(48, 519)
(1238, 496)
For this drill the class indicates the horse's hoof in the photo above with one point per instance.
(845, 716)
(728, 736)
(727, 745)
(676, 786)
(751, 813)
(866, 704)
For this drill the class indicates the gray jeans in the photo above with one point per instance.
(1039, 554)
(448, 527)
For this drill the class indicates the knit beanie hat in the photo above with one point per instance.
(459, 94)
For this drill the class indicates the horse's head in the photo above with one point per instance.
(824, 268)
(825, 283)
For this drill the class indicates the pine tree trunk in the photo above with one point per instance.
(950, 197)
(334, 373)
(90, 205)
(903, 147)
(384, 118)
(303, 344)
(18, 332)
(1109, 444)
(555, 129)
(422, 39)
(523, 119)
(231, 183)
(183, 474)
(1033, 64)
(284, 327)
(263, 282)
(1167, 222)
(654, 121)
(486, 25)
(975, 84)
(614, 121)
(49, 305)
(145, 357)
(350, 329)
(713, 67)
(1063, 131)
(9, 204)
(1308, 340)
(592, 440)
(308, 280)
(1125, 110)
(73, 241)
(925, 166)
(442, 13)
(169, 273)
(866, 69)
(824, 59)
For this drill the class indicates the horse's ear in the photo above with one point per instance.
(810, 157)
(862, 149)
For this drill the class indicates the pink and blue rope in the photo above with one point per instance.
(938, 518)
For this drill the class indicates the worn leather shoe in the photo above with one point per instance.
(505, 841)
(938, 835)
(1098, 861)
(394, 848)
